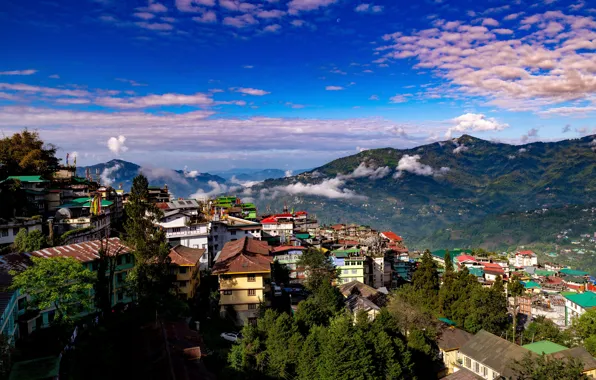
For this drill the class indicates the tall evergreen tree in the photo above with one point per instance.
(425, 280)
(150, 278)
(448, 262)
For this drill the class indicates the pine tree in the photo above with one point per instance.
(150, 277)
(425, 280)
(448, 263)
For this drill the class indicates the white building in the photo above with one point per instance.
(576, 304)
(10, 228)
(525, 259)
(183, 229)
(228, 229)
(279, 225)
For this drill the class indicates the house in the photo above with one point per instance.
(13, 304)
(489, 356)
(158, 194)
(352, 265)
(87, 254)
(76, 222)
(228, 228)
(185, 263)
(361, 297)
(492, 271)
(525, 259)
(35, 189)
(281, 225)
(243, 268)
(559, 352)
(355, 304)
(466, 261)
(450, 340)
(187, 228)
(575, 283)
(10, 228)
(289, 256)
(577, 303)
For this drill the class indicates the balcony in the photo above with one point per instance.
(186, 233)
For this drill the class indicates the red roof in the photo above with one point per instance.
(493, 268)
(162, 205)
(391, 236)
(243, 256)
(348, 242)
(301, 213)
(84, 252)
(283, 216)
(283, 248)
(463, 258)
(270, 220)
(526, 253)
(181, 255)
(338, 227)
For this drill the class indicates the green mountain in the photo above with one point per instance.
(460, 181)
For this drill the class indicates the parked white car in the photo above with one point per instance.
(232, 337)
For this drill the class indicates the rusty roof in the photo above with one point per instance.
(14, 261)
(83, 252)
(452, 338)
(181, 255)
(244, 255)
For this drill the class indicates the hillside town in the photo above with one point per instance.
(230, 267)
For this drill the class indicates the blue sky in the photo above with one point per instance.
(216, 84)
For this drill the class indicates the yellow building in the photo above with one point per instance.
(185, 265)
(449, 341)
(244, 273)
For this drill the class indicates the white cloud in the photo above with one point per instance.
(272, 28)
(198, 99)
(399, 98)
(144, 15)
(48, 91)
(206, 18)
(18, 72)
(532, 133)
(216, 189)
(330, 188)
(155, 174)
(296, 6)
(566, 128)
(373, 173)
(374, 97)
(412, 164)
(193, 5)
(155, 26)
(288, 173)
(368, 8)
(241, 21)
(54, 76)
(106, 173)
(522, 150)
(490, 22)
(190, 173)
(475, 122)
(116, 144)
(334, 88)
(273, 13)
(460, 149)
(250, 91)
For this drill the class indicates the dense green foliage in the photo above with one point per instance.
(280, 273)
(59, 282)
(25, 153)
(29, 241)
(534, 367)
(545, 329)
(318, 267)
(584, 329)
(149, 279)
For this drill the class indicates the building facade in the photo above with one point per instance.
(185, 264)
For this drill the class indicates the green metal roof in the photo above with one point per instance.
(573, 272)
(478, 272)
(542, 272)
(585, 300)
(448, 321)
(452, 252)
(303, 236)
(544, 347)
(81, 202)
(531, 285)
(27, 178)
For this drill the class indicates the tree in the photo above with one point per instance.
(545, 329)
(408, 308)
(59, 282)
(516, 288)
(534, 367)
(29, 241)
(150, 278)
(25, 153)
(325, 302)
(317, 267)
(280, 273)
(426, 281)
(6, 351)
(448, 262)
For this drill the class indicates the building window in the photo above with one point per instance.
(353, 271)
(182, 270)
(233, 233)
(227, 292)
(252, 292)
(252, 306)
(484, 371)
(495, 375)
(15, 231)
(4, 233)
(468, 362)
(476, 367)
(119, 278)
(252, 278)
(177, 229)
(252, 321)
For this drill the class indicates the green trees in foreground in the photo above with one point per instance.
(61, 283)
(533, 367)
(29, 241)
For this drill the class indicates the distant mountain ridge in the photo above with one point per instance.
(456, 181)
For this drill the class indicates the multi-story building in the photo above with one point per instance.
(76, 223)
(279, 225)
(450, 340)
(577, 304)
(525, 259)
(185, 265)
(289, 256)
(35, 188)
(158, 194)
(87, 254)
(12, 303)
(352, 265)
(10, 228)
(184, 228)
(228, 228)
(243, 268)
